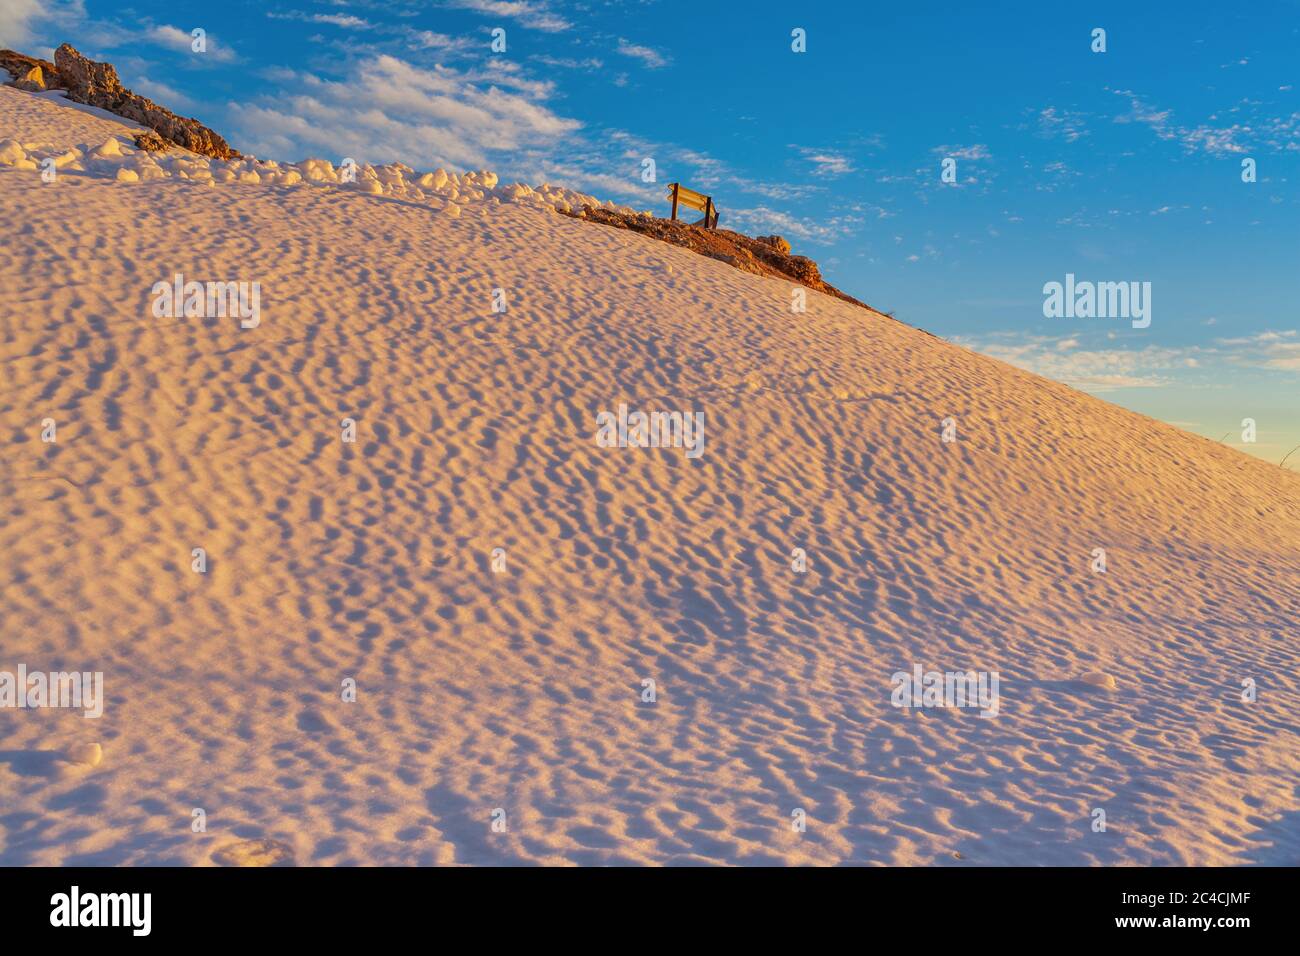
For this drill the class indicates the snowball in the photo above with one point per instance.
(109, 147)
(87, 755)
(1099, 680)
(434, 180)
(255, 853)
(11, 152)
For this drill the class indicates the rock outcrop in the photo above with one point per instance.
(777, 242)
(97, 84)
(33, 81)
(151, 143)
(764, 256)
(20, 67)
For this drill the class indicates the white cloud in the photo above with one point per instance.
(651, 58)
(16, 18)
(970, 153)
(1261, 338)
(161, 93)
(701, 170)
(429, 40)
(570, 63)
(578, 173)
(1272, 350)
(1216, 141)
(423, 117)
(762, 219)
(1274, 132)
(174, 38)
(20, 19)
(1063, 123)
(1103, 369)
(1092, 370)
(343, 20)
(825, 162)
(1140, 112)
(534, 16)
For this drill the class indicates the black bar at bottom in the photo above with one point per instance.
(331, 906)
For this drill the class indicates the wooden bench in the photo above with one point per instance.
(680, 195)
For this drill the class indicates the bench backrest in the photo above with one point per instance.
(688, 197)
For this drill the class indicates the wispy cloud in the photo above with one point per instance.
(429, 40)
(702, 170)
(1273, 350)
(1065, 359)
(1250, 131)
(343, 20)
(975, 153)
(1066, 124)
(1092, 370)
(765, 219)
(825, 162)
(174, 38)
(570, 63)
(161, 92)
(650, 57)
(534, 16)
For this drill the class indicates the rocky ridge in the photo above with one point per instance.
(97, 84)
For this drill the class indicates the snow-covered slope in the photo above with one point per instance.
(514, 681)
(92, 143)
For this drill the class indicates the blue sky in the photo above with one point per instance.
(1117, 166)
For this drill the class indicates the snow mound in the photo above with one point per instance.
(117, 157)
(1099, 680)
(86, 755)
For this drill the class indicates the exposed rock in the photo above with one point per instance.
(765, 256)
(151, 143)
(33, 81)
(18, 65)
(97, 84)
